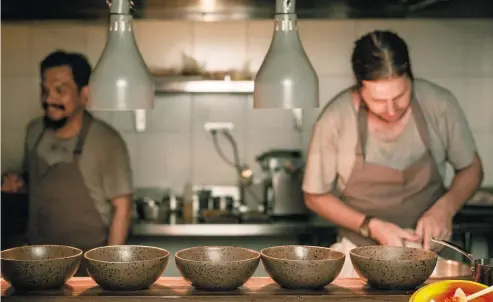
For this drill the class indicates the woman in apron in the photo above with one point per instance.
(377, 156)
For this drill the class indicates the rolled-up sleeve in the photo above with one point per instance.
(321, 162)
(461, 146)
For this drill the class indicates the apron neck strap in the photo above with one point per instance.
(420, 120)
(86, 123)
(362, 120)
(362, 128)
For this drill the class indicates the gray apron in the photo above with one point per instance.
(399, 197)
(61, 211)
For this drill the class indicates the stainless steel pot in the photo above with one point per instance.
(482, 268)
(451, 269)
(149, 209)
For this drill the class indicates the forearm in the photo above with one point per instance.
(120, 222)
(334, 210)
(463, 187)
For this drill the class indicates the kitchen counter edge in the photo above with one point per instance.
(166, 288)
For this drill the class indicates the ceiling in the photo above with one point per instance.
(220, 10)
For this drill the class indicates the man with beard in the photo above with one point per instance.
(377, 156)
(76, 167)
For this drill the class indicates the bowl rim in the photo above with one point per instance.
(262, 252)
(79, 252)
(415, 294)
(257, 254)
(352, 252)
(127, 245)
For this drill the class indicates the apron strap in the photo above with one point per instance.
(362, 129)
(362, 120)
(421, 123)
(86, 123)
(40, 137)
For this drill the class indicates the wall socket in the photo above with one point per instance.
(218, 126)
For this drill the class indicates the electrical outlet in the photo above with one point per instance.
(218, 126)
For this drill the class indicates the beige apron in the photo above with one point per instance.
(399, 197)
(61, 211)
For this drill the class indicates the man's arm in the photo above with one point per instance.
(17, 182)
(117, 184)
(320, 176)
(464, 184)
(331, 208)
(120, 223)
(462, 154)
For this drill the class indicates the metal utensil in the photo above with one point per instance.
(482, 268)
(480, 293)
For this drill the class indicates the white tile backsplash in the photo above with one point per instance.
(15, 50)
(46, 37)
(327, 44)
(208, 167)
(163, 43)
(172, 113)
(259, 38)
(150, 167)
(96, 41)
(20, 100)
(479, 53)
(220, 46)
(478, 104)
(175, 148)
(438, 47)
(271, 119)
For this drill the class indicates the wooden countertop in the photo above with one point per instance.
(170, 289)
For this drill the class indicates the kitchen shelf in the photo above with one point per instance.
(198, 85)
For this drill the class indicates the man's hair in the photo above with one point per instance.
(380, 55)
(78, 63)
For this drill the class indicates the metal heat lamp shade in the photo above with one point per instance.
(286, 79)
(121, 80)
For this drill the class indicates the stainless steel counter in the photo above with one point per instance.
(265, 230)
(220, 230)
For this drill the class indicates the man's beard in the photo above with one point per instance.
(55, 124)
(51, 123)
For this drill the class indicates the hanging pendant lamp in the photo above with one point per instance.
(286, 79)
(121, 80)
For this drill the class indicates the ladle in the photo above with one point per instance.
(480, 293)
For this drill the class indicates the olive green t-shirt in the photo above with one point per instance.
(104, 163)
(331, 154)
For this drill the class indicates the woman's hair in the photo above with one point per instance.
(380, 55)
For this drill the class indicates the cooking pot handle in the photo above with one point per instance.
(455, 247)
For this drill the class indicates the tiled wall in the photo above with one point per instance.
(175, 148)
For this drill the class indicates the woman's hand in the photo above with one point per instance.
(437, 223)
(387, 233)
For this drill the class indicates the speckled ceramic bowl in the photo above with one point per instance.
(126, 267)
(388, 267)
(302, 267)
(217, 268)
(38, 267)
